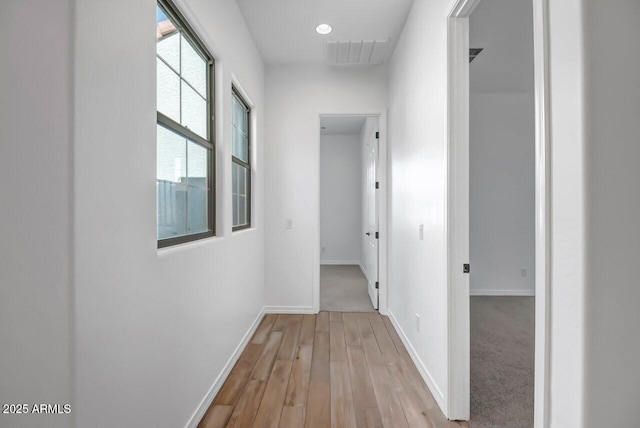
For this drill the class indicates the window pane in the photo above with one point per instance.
(242, 206)
(240, 179)
(235, 172)
(168, 48)
(198, 160)
(240, 145)
(172, 156)
(194, 68)
(198, 210)
(235, 210)
(194, 111)
(172, 209)
(168, 90)
(239, 115)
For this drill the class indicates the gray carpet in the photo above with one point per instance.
(343, 289)
(502, 354)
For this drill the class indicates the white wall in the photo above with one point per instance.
(340, 199)
(418, 269)
(36, 194)
(501, 193)
(154, 329)
(296, 96)
(612, 109)
(502, 149)
(594, 347)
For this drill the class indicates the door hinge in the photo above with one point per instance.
(377, 285)
(377, 134)
(377, 235)
(466, 268)
(377, 184)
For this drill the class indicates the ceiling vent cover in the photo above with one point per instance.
(473, 53)
(356, 52)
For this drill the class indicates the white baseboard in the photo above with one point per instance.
(289, 310)
(217, 384)
(340, 262)
(364, 271)
(431, 384)
(498, 292)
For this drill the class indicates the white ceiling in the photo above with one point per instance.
(504, 28)
(341, 125)
(284, 30)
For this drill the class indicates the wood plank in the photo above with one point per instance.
(289, 341)
(388, 349)
(318, 406)
(216, 417)
(239, 376)
(351, 335)
(246, 409)
(262, 370)
(342, 412)
(335, 316)
(368, 418)
(363, 393)
(281, 322)
(292, 417)
(414, 409)
(319, 398)
(298, 388)
(308, 330)
(394, 336)
(322, 321)
(409, 375)
(338, 350)
(270, 408)
(262, 333)
(369, 342)
(390, 409)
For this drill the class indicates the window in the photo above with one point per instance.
(185, 131)
(241, 163)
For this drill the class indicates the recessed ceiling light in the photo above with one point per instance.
(323, 29)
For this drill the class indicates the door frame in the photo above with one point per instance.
(383, 177)
(458, 396)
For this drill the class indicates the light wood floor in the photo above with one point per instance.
(330, 370)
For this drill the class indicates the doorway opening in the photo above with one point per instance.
(349, 213)
(501, 213)
(498, 211)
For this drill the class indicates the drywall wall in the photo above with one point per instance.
(612, 108)
(418, 168)
(36, 195)
(340, 199)
(154, 328)
(297, 96)
(594, 198)
(502, 194)
(502, 149)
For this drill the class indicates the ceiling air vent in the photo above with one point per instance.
(473, 53)
(360, 52)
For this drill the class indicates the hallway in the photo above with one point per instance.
(334, 369)
(343, 288)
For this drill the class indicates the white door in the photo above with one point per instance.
(371, 226)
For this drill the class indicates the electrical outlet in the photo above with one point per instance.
(523, 272)
(289, 224)
(417, 322)
(421, 232)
